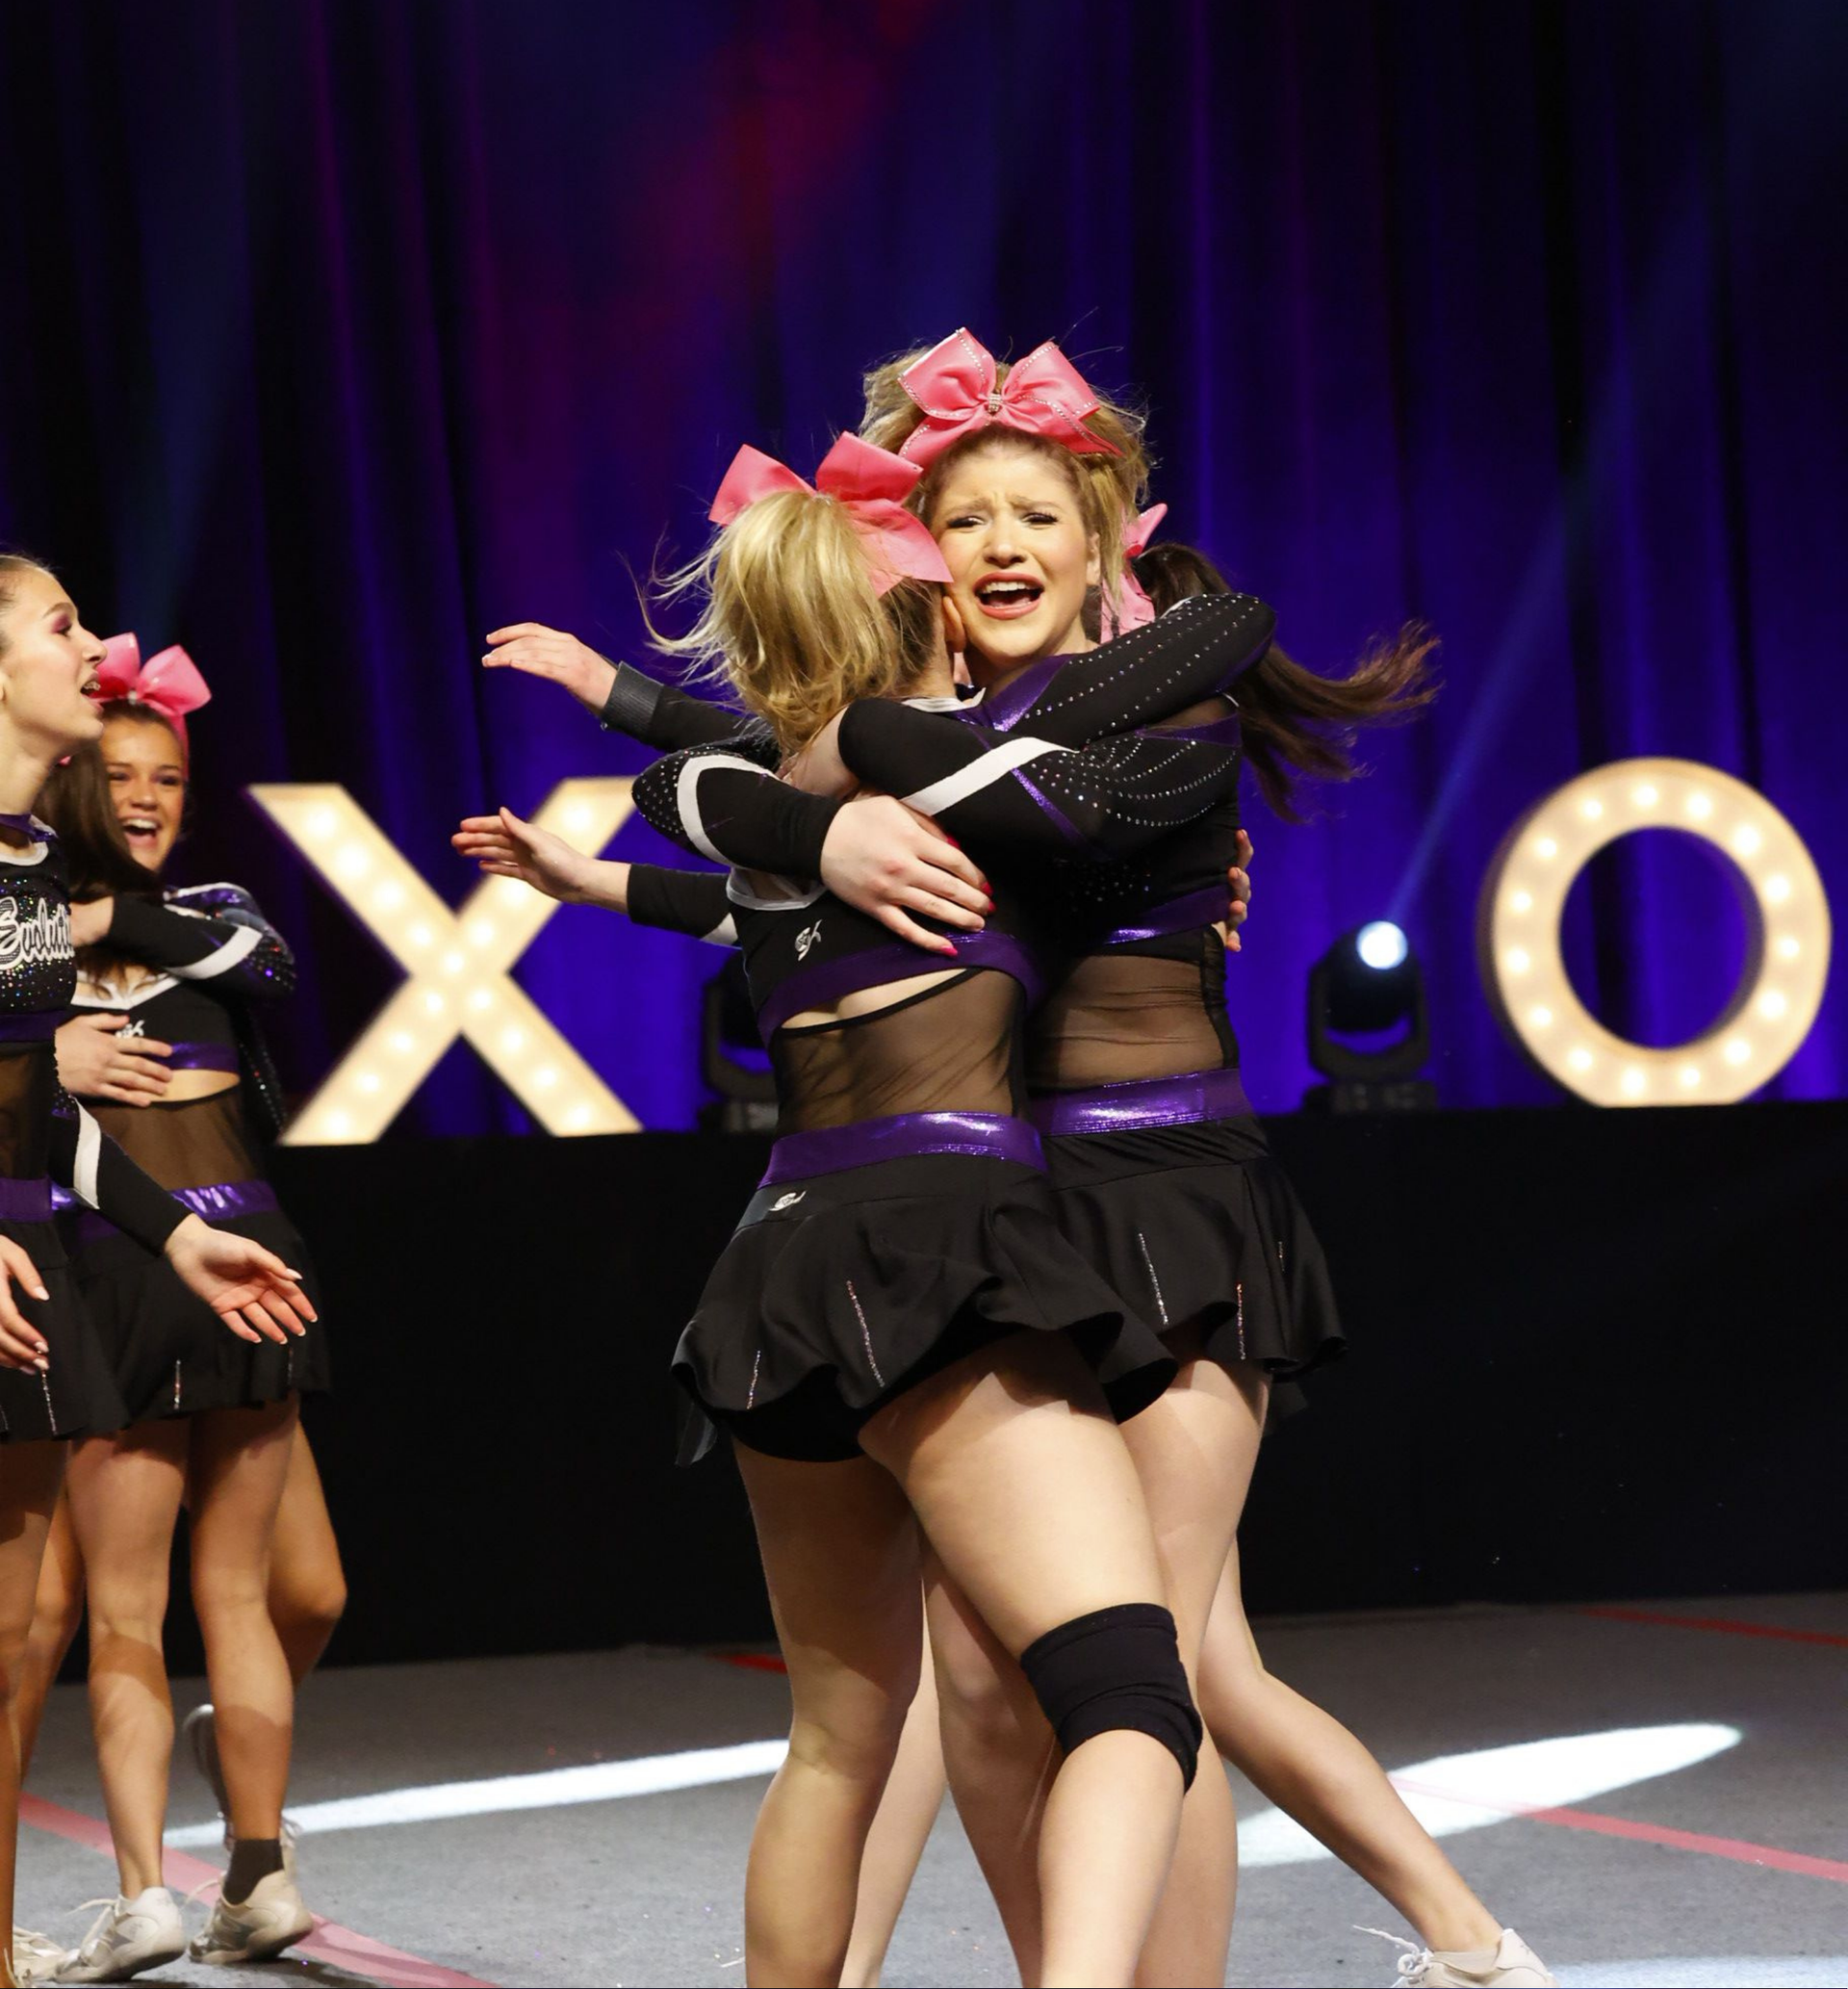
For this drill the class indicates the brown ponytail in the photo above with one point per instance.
(1295, 723)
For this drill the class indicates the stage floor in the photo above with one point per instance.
(1656, 1798)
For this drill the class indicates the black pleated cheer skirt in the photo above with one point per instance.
(169, 1353)
(840, 1290)
(78, 1397)
(1197, 1227)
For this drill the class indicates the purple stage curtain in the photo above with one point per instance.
(332, 335)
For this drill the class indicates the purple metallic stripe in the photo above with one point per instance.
(218, 1202)
(1221, 732)
(39, 1027)
(1205, 907)
(203, 1056)
(816, 987)
(1003, 708)
(1053, 813)
(25, 1201)
(982, 1135)
(1150, 1101)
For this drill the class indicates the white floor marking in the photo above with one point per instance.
(1709, 1971)
(1478, 1789)
(1482, 1788)
(602, 1781)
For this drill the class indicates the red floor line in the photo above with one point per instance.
(751, 1660)
(1574, 1819)
(1724, 1626)
(339, 1946)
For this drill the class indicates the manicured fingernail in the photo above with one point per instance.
(40, 1292)
(44, 1366)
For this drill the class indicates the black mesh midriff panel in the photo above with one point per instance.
(952, 1049)
(1122, 1016)
(28, 1084)
(194, 1144)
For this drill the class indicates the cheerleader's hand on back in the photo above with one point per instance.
(21, 1344)
(250, 1288)
(1239, 908)
(505, 846)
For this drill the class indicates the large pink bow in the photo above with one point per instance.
(168, 684)
(954, 384)
(1133, 608)
(870, 485)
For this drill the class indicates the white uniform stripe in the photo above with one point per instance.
(239, 946)
(724, 934)
(686, 797)
(979, 774)
(89, 1155)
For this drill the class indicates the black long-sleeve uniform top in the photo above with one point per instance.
(211, 955)
(43, 1129)
(1041, 770)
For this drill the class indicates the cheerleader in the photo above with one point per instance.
(890, 1326)
(55, 1382)
(182, 1082)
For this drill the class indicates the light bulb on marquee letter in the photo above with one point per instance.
(1524, 972)
(458, 966)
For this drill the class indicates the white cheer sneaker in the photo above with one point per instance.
(34, 1956)
(271, 1918)
(1511, 1965)
(129, 1935)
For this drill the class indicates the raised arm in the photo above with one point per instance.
(1196, 650)
(621, 699)
(1024, 794)
(212, 933)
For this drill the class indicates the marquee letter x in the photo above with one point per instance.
(458, 966)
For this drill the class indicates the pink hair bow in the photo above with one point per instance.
(870, 485)
(954, 384)
(1133, 608)
(168, 684)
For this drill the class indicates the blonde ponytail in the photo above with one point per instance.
(790, 618)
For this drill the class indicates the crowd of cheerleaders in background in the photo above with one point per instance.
(163, 1053)
(996, 510)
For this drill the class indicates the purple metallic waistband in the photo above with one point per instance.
(203, 1056)
(217, 1203)
(1206, 906)
(38, 1027)
(982, 1135)
(1149, 1101)
(874, 967)
(25, 1201)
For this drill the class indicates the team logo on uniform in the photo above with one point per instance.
(788, 1201)
(807, 939)
(32, 938)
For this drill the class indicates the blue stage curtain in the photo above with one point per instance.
(332, 335)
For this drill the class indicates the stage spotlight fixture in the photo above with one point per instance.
(1369, 985)
(747, 1092)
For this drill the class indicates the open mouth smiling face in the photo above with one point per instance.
(146, 783)
(1010, 525)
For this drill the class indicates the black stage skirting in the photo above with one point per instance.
(1595, 1355)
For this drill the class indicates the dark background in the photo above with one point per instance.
(332, 335)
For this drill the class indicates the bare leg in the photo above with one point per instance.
(895, 1842)
(240, 1462)
(1001, 1757)
(56, 1615)
(1027, 1492)
(1194, 1452)
(29, 1480)
(307, 1583)
(1313, 1769)
(840, 1556)
(125, 1494)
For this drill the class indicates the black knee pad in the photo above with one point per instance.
(1115, 1669)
